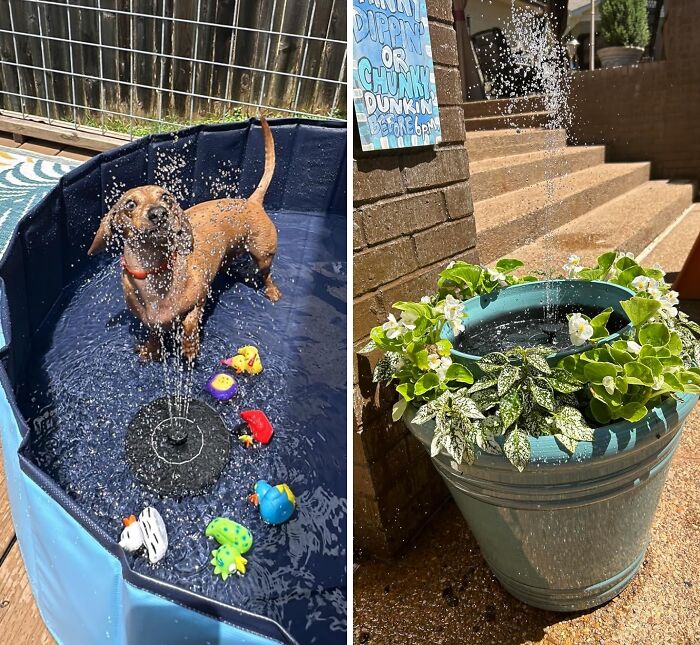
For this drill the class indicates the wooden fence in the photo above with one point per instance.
(97, 62)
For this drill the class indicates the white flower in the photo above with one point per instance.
(580, 330)
(573, 266)
(408, 319)
(668, 301)
(622, 254)
(609, 384)
(392, 327)
(445, 362)
(425, 300)
(497, 276)
(633, 347)
(433, 361)
(658, 267)
(453, 310)
(658, 383)
(655, 293)
(451, 264)
(644, 283)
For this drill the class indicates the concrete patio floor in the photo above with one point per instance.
(441, 591)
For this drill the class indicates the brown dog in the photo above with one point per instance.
(171, 257)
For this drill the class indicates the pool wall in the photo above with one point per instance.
(84, 588)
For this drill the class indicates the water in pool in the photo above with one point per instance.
(87, 384)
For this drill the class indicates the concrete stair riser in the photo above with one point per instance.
(524, 120)
(494, 177)
(489, 144)
(498, 107)
(506, 222)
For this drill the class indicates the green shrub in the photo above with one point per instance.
(623, 23)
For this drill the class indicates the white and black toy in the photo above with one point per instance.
(149, 531)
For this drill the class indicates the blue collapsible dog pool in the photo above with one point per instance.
(71, 383)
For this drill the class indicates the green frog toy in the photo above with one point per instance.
(235, 540)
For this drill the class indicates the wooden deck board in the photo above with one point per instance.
(20, 621)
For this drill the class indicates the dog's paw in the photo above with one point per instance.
(147, 352)
(272, 292)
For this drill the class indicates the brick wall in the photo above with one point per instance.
(649, 112)
(413, 214)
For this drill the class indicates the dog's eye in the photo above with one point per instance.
(130, 205)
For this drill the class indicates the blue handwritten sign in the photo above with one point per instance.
(393, 77)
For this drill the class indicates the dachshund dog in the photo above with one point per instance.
(172, 256)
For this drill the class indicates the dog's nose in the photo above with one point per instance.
(156, 214)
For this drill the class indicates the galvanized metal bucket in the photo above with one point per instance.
(570, 531)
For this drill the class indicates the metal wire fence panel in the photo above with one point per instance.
(138, 66)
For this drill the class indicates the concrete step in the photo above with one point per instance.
(498, 107)
(672, 251)
(509, 221)
(629, 222)
(498, 143)
(520, 120)
(493, 177)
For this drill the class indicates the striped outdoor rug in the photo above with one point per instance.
(25, 177)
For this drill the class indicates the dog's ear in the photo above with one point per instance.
(182, 230)
(104, 234)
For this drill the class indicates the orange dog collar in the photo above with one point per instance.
(144, 273)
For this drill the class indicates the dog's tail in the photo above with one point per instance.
(259, 193)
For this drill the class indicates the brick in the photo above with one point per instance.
(367, 312)
(446, 240)
(440, 10)
(375, 178)
(458, 199)
(358, 237)
(443, 42)
(412, 287)
(390, 219)
(449, 85)
(382, 264)
(436, 167)
(452, 124)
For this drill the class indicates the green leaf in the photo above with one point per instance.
(426, 383)
(398, 409)
(507, 378)
(633, 411)
(654, 364)
(675, 345)
(516, 448)
(386, 366)
(542, 393)
(428, 410)
(638, 374)
(510, 408)
(639, 309)
(506, 265)
(421, 359)
(654, 334)
(568, 443)
(599, 323)
(461, 401)
(483, 384)
(538, 362)
(497, 358)
(596, 372)
(406, 390)
(600, 411)
(459, 373)
(570, 422)
(369, 347)
(443, 347)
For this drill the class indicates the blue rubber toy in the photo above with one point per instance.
(276, 503)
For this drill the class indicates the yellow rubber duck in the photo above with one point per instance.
(247, 360)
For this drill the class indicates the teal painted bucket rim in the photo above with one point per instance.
(464, 358)
(608, 441)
